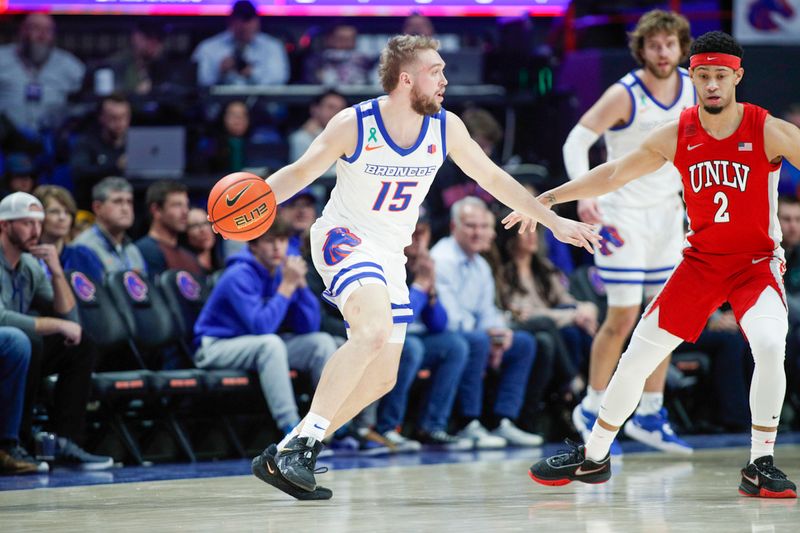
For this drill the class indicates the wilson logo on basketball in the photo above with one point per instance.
(244, 220)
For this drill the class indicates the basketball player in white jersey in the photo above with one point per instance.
(642, 223)
(387, 152)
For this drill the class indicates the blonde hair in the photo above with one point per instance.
(658, 21)
(400, 51)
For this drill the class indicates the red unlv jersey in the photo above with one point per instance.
(729, 186)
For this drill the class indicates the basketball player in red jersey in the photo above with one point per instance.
(729, 155)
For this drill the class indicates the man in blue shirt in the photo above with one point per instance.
(242, 55)
(427, 346)
(466, 288)
(261, 293)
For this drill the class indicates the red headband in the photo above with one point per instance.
(715, 60)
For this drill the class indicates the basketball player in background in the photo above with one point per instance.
(729, 155)
(387, 152)
(642, 221)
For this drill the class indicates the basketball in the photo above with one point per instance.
(241, 206)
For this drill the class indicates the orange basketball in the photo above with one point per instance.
(241, 206)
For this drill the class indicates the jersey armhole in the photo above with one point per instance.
(360, 139)
(633, 109)
(444, 134)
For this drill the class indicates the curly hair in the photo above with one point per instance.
(659, 21)
(399, 52)
(717, 42)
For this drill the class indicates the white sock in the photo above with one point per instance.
(599, 443)
(314, 426)
(762, 443)
(650, 404)
(289, 436)
(591, 402)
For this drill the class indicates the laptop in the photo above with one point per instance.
(155, 152)
(463, 67)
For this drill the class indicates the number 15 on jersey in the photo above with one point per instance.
(399, 200)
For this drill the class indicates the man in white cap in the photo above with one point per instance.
(58, 346)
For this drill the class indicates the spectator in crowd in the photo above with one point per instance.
(112, 203)
(321, 111)
(466, 288)
(59, 214)
(36, 77)
(789, 183)
(418, 24)
(300, 212)
(168, 206)
(58, 344)
(15, 356)
(339, 63)
(428, 345)
(203, 241)
(101, 152)
(789, 217)
(20, 173)
(533, 289)
(142, 67)
(451, 184)
(230, 148)
(242, 55)
(263, 292)
(535, 292)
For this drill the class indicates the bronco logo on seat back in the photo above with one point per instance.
(136, 287)
(336, 245)
(82, 286)
(188, 286)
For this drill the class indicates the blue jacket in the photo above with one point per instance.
(433, 316)
(83, 259)
(245, 302)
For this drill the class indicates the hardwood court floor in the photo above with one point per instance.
(648, 493)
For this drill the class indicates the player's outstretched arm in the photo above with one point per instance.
(474, 162)
(657, 149)
(782, 139)
(337, 139)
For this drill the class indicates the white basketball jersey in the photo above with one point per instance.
(380, 187)
(647, 114)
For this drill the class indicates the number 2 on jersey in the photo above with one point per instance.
(722, 213)
(404, 198)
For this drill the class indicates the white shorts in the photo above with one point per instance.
(640, 248)
(346, 261)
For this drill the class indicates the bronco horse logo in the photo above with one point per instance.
(335, 248)
(610, 235)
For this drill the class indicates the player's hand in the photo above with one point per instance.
(213, 227)
(526, 223)
(576, 233)
(589, 212)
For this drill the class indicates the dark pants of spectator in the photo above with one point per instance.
(445, 354)
(729, 386)
(15, 356)
(514, 371)
(74, 366)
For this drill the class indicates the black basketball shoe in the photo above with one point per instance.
(572, 465)
(297, 461)
(265, 469)
(763, 479)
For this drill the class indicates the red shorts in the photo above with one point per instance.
(702, 282)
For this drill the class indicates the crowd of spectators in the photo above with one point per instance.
(498, 359)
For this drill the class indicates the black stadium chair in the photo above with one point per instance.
(185, 295)
(114, 390)
(154, 333)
